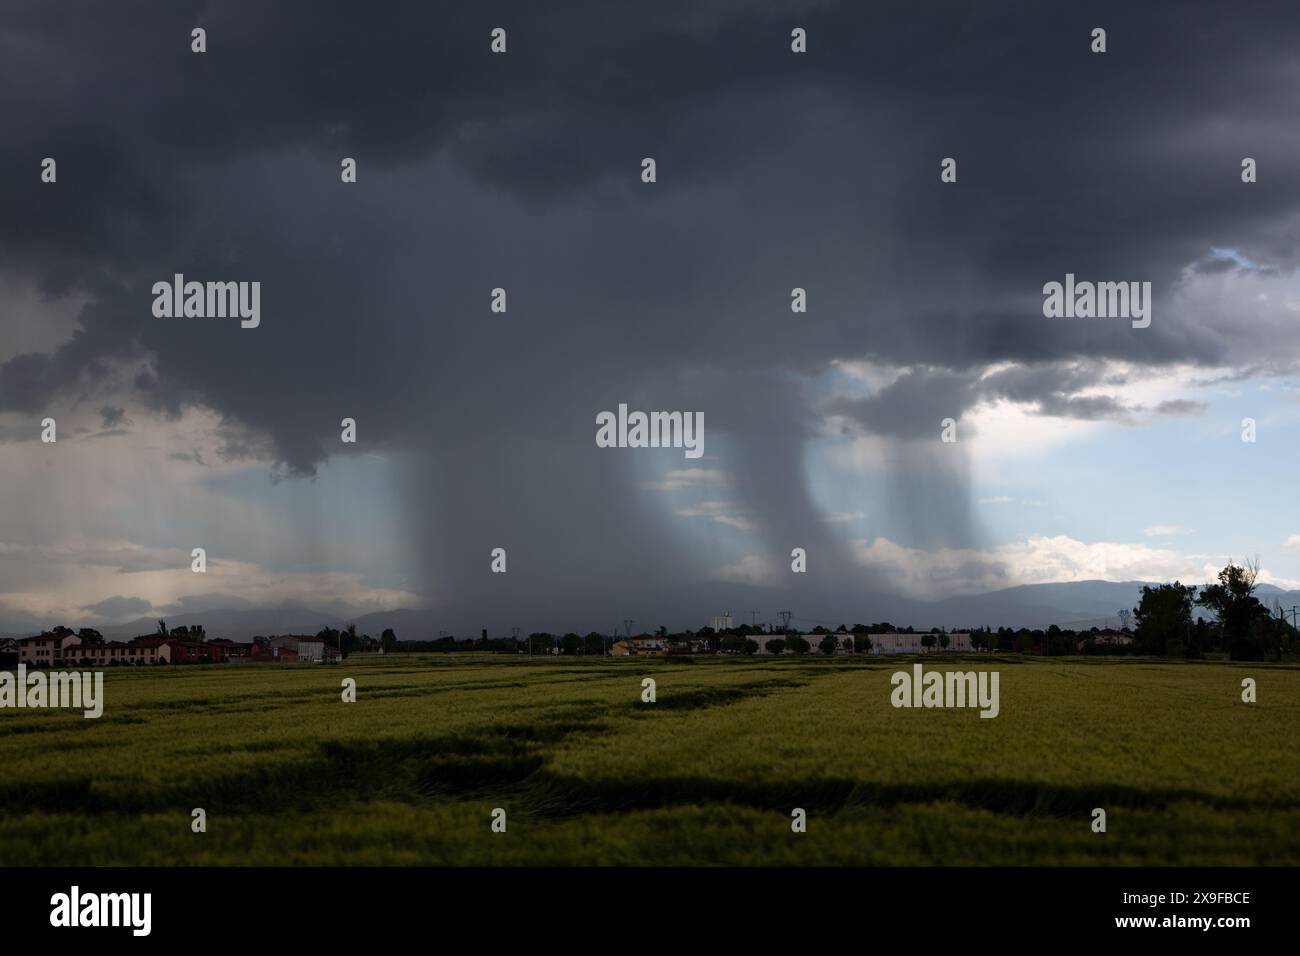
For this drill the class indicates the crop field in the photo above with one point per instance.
(287, 773)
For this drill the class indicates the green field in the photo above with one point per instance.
(709, 774)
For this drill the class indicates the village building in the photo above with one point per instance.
(1109, 637)
(643, 646)
(45, 649)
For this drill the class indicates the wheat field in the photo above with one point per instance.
(709, 773)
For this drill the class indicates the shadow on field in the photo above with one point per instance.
(714, 696)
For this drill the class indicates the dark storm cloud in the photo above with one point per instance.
(819, 171)
(914, 405)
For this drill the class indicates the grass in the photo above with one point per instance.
(588, 774)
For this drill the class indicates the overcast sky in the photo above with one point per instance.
(1085, 448)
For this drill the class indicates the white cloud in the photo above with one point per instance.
(722, 512)
(755, 569)
(117, 517)
(1165, 530)
(1292, 543)
(682, 478)
(841, 517)
(66, 582)
(1036, 560)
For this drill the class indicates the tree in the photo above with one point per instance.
(797, 644)
(388, 639)
(928, 641)
(943, 642)
(750, 648)
(89, 635)
(735, 644)
(861, 643)
(776, 646)
(1163, 615)
(162, 628)
(198, 633)
(330, 638)
(1240, 614)
(828, 644)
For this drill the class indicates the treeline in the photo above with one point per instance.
(1242, 627)
(1237, 624)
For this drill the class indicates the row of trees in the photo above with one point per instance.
(1243, 627)
(195, 632)
(87, 635)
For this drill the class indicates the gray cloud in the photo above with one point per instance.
(521, 171)
(17, 433)
(197, 603)
(1181, 406)
(191, 456)
(119, 608)
(913, 406)
(113, 416)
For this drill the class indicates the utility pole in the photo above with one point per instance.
(753, 619)
(785, 620)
